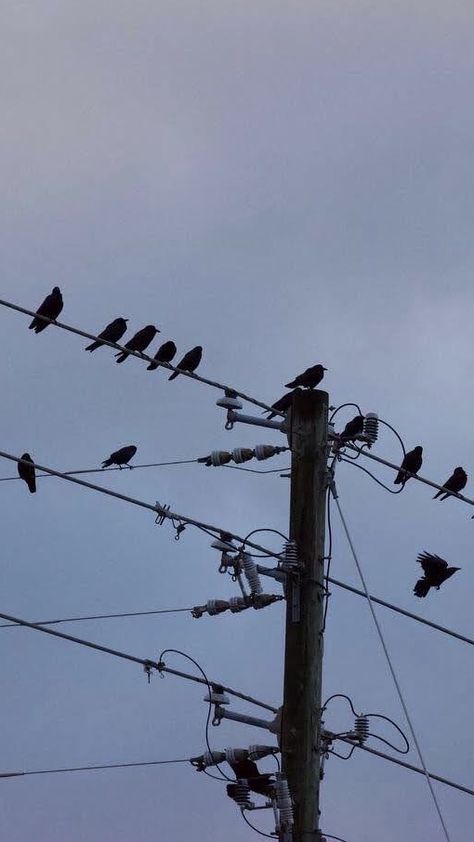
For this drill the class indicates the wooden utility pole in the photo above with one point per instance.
(304, 613)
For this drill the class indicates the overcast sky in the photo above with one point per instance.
(285, 184)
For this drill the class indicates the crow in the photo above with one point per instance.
(27, 472)
(309, 379)
(164, 354)
(120, 457)
(352, 429)
(412, 462)
(435, 570)
(456, 482)
(282, 404)
(248, 770)
(189, 362)
(112, 333)
(51, 308)
(139, 342)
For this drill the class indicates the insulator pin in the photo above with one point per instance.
(242, 454)
(251, 574)
(371, 428)
(284, 802)
(361, 728)
(290, 551)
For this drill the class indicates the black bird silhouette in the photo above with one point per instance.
(352, 429)
(282, 404)
(189, 362)
(436, 572)
(112, 333)
(412, 462)
(456, 482)
(309, 379)
(164, 354)
(139, 342)
(120, 457)
(248, 770)
(51, 308)
(27, 472)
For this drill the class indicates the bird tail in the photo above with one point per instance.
(399, 479)
(32, 325)
(121, 357)
(32, 485)
(152, 366)
(172, 376)
(93, 347)
(107, 463)
(291, 385)
(421, 588)
(438, 495)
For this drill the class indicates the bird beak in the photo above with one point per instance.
(324, 368)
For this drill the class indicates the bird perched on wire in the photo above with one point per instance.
(283, 404)
(120, 457)
(112, 333)
(309, 379)
(51, 308)
(456, 483)
(164, 354)
(412, 462)
(435, 570)
(138, 342)
(189, 362)
(27, 472)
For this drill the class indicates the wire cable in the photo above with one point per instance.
(90, 768)
(394, 431)
(397, 728)
(260, 832)
(389, 744)
(356, 405)
(351, 461)
(339, 696)
(99, 617)
(105, 470)
(330, 836)
(139, 354)
(390, 665)
(328, 557)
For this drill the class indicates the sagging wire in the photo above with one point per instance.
(397, 728)
(330, 836)
(379, 482)
(386, 424)
(328, 558)
(356, 405)
(254, 532)
(209, 689)
(255, 829)
(369, 733)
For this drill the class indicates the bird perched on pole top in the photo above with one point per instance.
(138, 342)
(120, 457)
(456, 483)
(309, 379)
(189, 362)
(112, 333)
(164, 354)
(282, 404)
(27, 472)
(412, 462)
(435, 570)
(51, 308)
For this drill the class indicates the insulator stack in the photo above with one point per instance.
(210, 758)
(284, 802)
(266, 451)
(234, 755)
(290, 552)
(216, 606)
(241, 795)
(242, 454)
(237, 603)
(371, 427)
(256, 752)
(251, 574)
(361, 728)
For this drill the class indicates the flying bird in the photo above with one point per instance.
(435, 570)
(189, 362)
(27, 472)
(282, 404)
(456, 482)
(309, 379)
(139, 342)
(164, 354)
(120, 457)
(352, 429)
(51, 308)
(112, 333)
(412, 462)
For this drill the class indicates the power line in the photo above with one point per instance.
(156, 509)
(399, 610)
(100, 617)
(145, 662)
(90, 768)
(106, 470)
(139, 354)
(390, 665)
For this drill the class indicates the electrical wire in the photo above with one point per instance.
(356, 405)
(209, 690)
(339, 696)
(342, 756)
(396, 433)
(139, 354)
(351, 461)
(390, 665)
(99, 617)
(330, 836)
(329, 558)
(390, 745)
(260, 832)
(397, 728)
(90, 768)
(106, 470)
(254, 470)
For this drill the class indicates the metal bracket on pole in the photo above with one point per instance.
(221, 713)
(234, 417)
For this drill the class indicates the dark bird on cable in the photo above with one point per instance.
(51, 308)
(248, 770)
(412, 462)
(27, 472)
(112, 333)
(435, 570)
(139, 342)
(164, 354)
(189, 362)
(456, 482)
(309, 379)
(121, 457)
(352, 429)
(282, 404)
